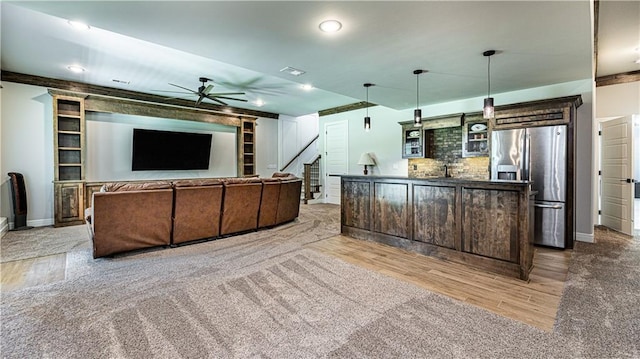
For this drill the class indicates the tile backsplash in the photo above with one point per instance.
(448, 151)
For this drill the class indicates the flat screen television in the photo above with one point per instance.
(155, 150)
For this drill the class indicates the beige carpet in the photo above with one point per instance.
(265, 295)
(42, 241)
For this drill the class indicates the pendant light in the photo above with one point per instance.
(488, 109)
(417, 113)
(367, 119)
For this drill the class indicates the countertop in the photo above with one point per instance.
(437, 179)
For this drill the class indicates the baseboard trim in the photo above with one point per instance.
(35, 223)
(585, 237)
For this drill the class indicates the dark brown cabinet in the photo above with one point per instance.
(412, 142)
(475, 137)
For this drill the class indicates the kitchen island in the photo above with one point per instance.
(481, 223)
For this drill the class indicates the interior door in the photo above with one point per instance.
(617, 171)
(335, 158)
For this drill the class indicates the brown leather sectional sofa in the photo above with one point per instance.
(126, 216)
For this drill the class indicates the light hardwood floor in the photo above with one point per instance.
(534, 302)
(30, 272)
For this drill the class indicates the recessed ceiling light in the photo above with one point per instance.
(79, 25)
(76, 69)
(307, 87)
(637, 61)
(330, 26)
(258, 103)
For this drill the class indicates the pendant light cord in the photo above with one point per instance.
(489, 77)
(417, 90)
(367, 104)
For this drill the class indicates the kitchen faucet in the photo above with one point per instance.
(446, 171)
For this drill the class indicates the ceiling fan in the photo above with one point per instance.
(205, 92)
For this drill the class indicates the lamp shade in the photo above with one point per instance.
(366, 160)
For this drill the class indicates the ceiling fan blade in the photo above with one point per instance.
(200, 98)
(172, 91)
(216, 100)
(225, 93)
(208, 89)
(229, 98)
(184, 88)
(176, 98)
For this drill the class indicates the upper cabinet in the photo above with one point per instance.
(475, 137)
(413, 141)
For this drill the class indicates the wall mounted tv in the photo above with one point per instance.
(155, 150)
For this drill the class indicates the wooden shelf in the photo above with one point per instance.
(68, 138)
(247, 148)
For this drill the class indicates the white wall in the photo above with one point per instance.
(266, 146)
(617, 101)
(27, 148)
(294, 134)
(109, 139)
(384, 139)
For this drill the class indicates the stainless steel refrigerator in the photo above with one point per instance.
(537, 154)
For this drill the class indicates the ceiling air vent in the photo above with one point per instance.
(293, 71)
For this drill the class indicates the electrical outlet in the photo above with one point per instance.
(272, 167)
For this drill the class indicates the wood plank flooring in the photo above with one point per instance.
(30, 272)
(534, 302)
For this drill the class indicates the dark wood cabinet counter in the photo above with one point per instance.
(486, 224)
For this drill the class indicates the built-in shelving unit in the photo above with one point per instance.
(247, 133)
(68, 145)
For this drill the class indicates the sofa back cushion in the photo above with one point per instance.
(197, 182)
(241, 205)
(196, 212)
(289, 200)
(134, 186)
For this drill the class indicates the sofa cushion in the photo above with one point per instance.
(199, 182)
(241, 180)
(282, 174)
(134, 186)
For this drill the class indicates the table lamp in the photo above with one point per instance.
(366, 160)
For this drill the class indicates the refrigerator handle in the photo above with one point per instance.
(526, 157)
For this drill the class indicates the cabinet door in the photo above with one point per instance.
(490, 223)
(475, 138)
(69, 203)
(412, 142)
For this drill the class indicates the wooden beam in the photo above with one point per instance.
(89, 89)
(615, 79)
(346, 108)
(110, 105)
